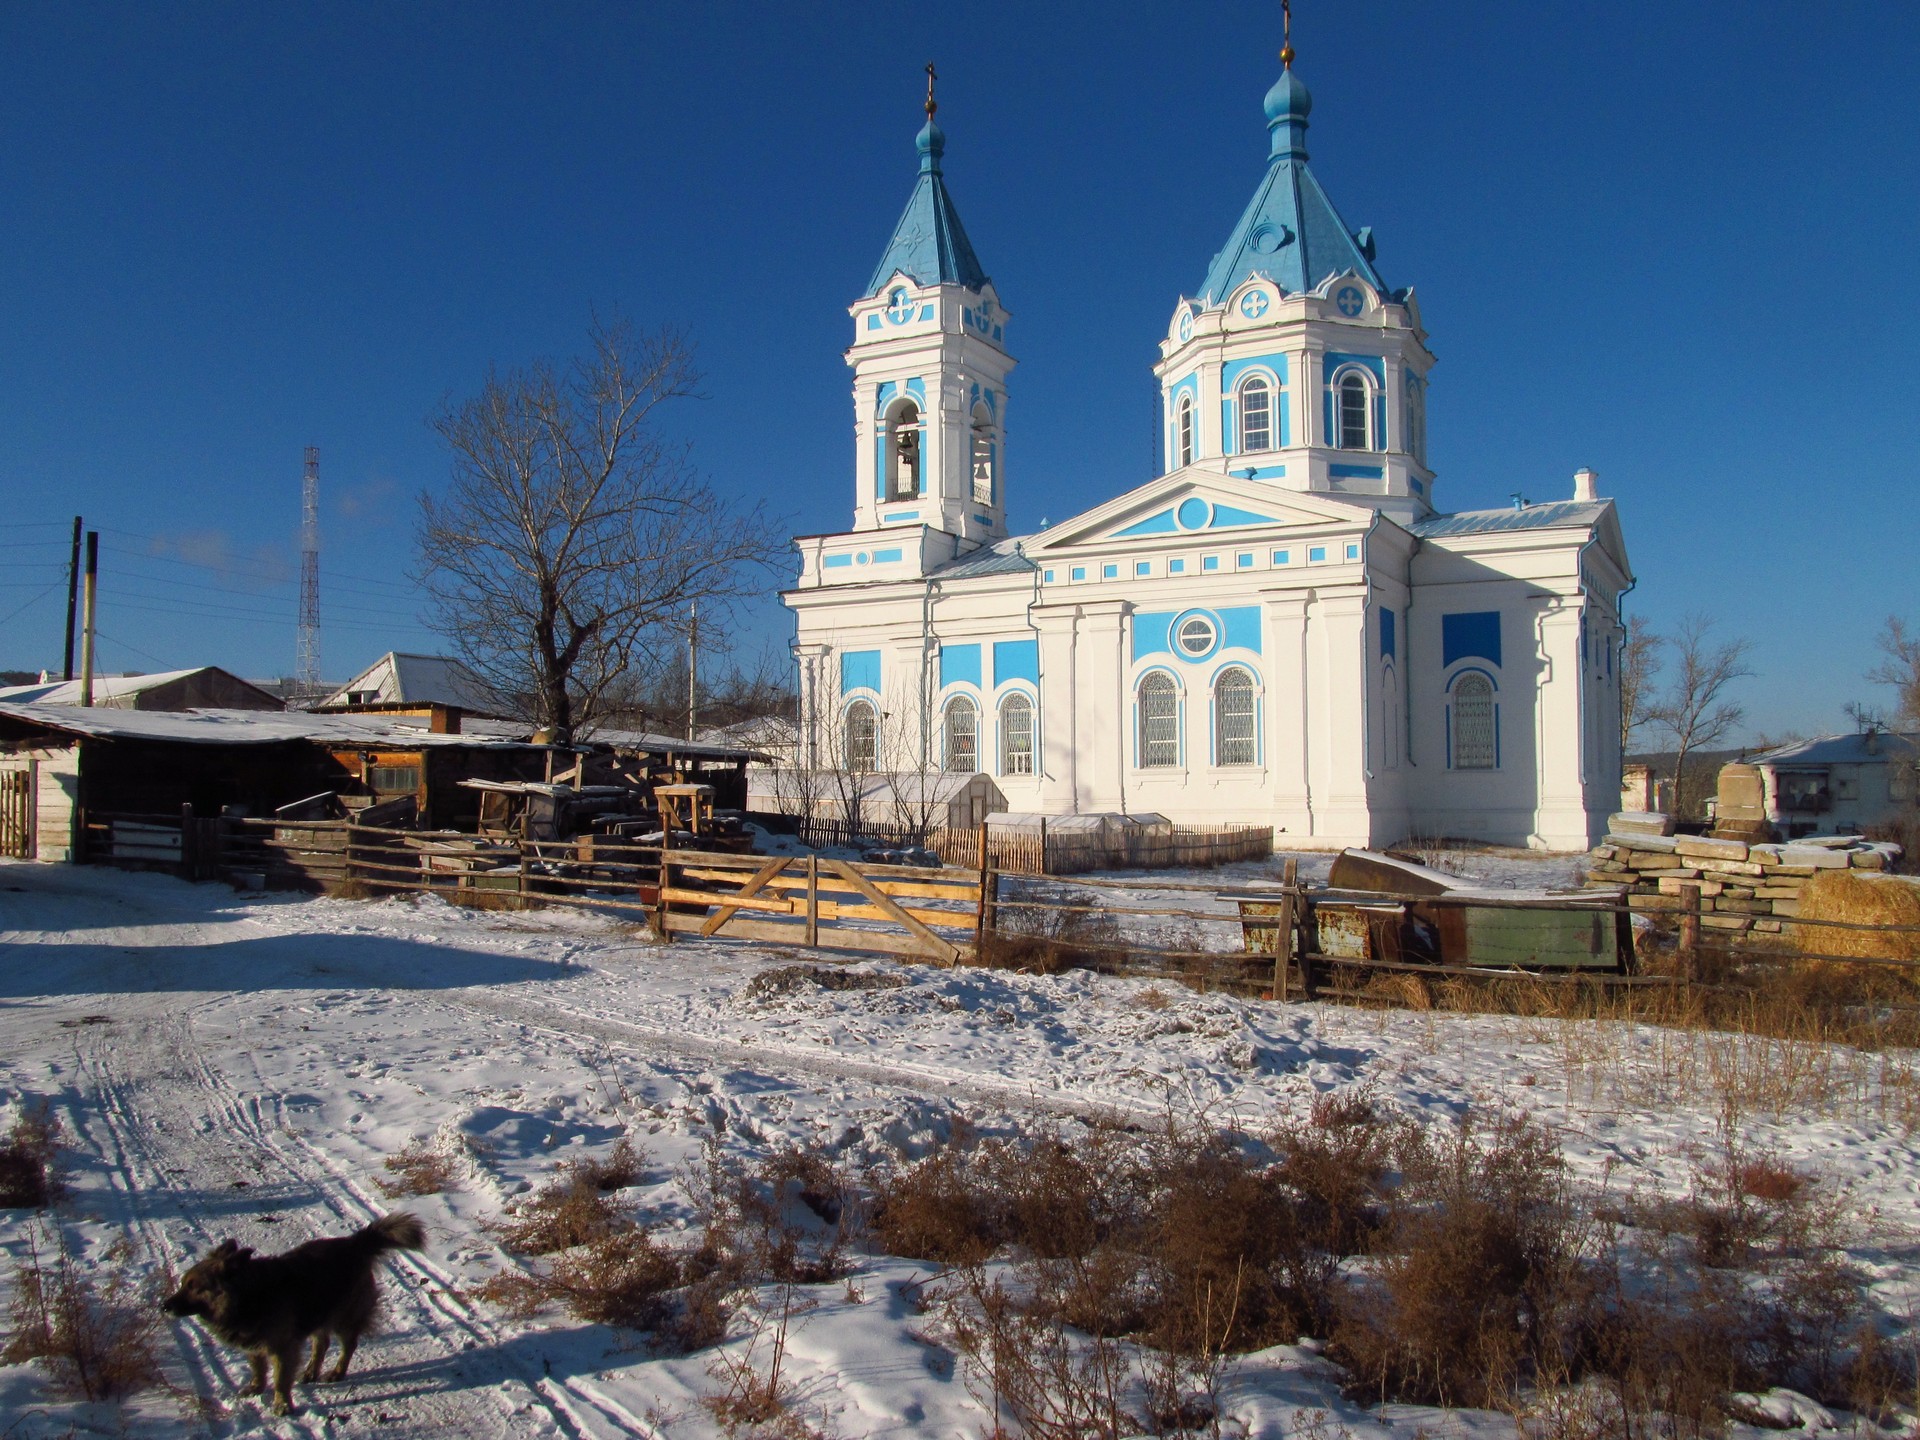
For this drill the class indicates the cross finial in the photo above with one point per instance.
(1286, 34)
(932, 76)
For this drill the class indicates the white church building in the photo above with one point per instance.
(1282, 629)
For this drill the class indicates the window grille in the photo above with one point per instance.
(1159, 721)
(863, 737)
(1256, 415)
(1233, 712)
(1473, 742)
(1353, 413)
(393, 779)
(1016, 736)
(1196, 635)
(963, 737)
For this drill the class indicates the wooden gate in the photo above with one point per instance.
(16, 813)
(831, 904)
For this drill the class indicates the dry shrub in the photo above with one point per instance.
(1479, 1286)
(418, 1169)
(788, 979)
(1045, 936)
(756, 1397)
(574, 1208)
(942, 1208)
(1030, 1370)
(29, 1172)
(97, 1339)
(787, 1217)
(1861, 897)
(623, 1277)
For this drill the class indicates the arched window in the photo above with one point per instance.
(863, 737)
(903, 451)
(1185, 425)
(963, 736)
(1234, 739)
(1256, 414)
(1016, 735)
(1472, 723)
(1159, 721)
(983, 456)
(1353, 412)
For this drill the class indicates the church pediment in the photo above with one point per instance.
(1178, 506)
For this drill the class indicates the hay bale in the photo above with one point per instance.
(1863, 897)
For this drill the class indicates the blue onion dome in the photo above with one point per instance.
(1288, 99)
(931, 142)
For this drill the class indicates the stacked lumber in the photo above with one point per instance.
(1742, 886)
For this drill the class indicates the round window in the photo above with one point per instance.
(1195, 636)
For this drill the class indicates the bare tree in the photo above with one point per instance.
(1639, 664)
(1901, 670)
(573, 533)
(1694, 707)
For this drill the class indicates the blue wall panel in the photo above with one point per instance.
(960, 665)
(1016, 660)
(1471, 634)
(1240, 627)
(859, 670)
(1152, 633)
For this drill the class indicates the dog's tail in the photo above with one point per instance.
(399, 1231)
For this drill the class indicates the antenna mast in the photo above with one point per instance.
(307, 664)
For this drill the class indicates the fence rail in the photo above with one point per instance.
(1045, 851)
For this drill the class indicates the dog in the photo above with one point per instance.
(270, 1305)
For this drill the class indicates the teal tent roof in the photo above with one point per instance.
(929, 244)
(1290, 233)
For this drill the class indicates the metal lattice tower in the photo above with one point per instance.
(307, 666)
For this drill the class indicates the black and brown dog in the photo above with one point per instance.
(269, 1305)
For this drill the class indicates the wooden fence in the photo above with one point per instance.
(16, 813)
(1040, 851)
(1270, 939)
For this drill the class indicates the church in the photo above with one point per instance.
(1282, 629)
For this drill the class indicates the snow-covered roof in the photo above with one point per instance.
(1840, 750)
(245, 727)
(1533, 517)
(114, 690)
(398, 677)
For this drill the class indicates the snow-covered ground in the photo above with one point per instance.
(241, 1065)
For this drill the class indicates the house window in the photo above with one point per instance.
(1233, 711)
(1159, 721)
(963, 737)
(393, 779)
(1256, 415)
(1185, 425)
(1353, 412)
(983, 456)
(863, 737)
(1473, 733)
(903, 451)
(1016, 735)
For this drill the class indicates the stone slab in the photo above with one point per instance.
(1744, 868)
(1640, 822)
(1661, 843)
(1813, 856)
(1708, 847)
(1727, 922)
(1677, 886)
(1786, 907)
(1867, 860)
(1776, 892)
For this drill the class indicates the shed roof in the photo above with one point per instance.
(116, 690)
(246, 727)
(1004, 557)
(1549, 516)
(1840, 750)
(399, 677)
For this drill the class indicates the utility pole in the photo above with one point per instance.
(307, 661)
(86, 633)
(73, 593)
(693, 665)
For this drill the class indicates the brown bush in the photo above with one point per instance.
(941, 1208)
(29, 1170)
(1480, 1285)
(1052, 934)
(418, 1169)
(568, 1211)
(787, 1217)
(96, 1339)
(622, 1277)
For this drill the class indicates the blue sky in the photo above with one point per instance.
(1668, 241)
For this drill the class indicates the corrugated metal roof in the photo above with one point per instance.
(1003, 558)
(1838, 750)
(1533, 517)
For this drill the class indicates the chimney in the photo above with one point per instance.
(443, 719)
(1584, 481)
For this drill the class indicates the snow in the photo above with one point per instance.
(261, 1055)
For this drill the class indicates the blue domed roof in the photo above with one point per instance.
(1288, 99)
(930, 245)
(931, 142)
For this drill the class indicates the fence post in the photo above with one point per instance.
(189, 856)
(980, 909)
(1043, 846)
(1690, 930)
(1283, 937)
(813, 901)
(660, 930)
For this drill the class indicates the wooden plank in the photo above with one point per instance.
(747, 893)
(849, 910)
(813, 900)
(935, 946)
(872, 942)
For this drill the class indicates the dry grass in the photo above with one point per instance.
(417, 1169)
(97, 1338)
(756, 1397)
(1863, 898)
(29, 1160)
(576, 1207)
(1041, 938)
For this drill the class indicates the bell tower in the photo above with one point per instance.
(930, 371)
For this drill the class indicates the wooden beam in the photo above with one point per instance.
(746, 892)
(935, 946)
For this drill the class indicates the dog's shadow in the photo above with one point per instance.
(540, 1355)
